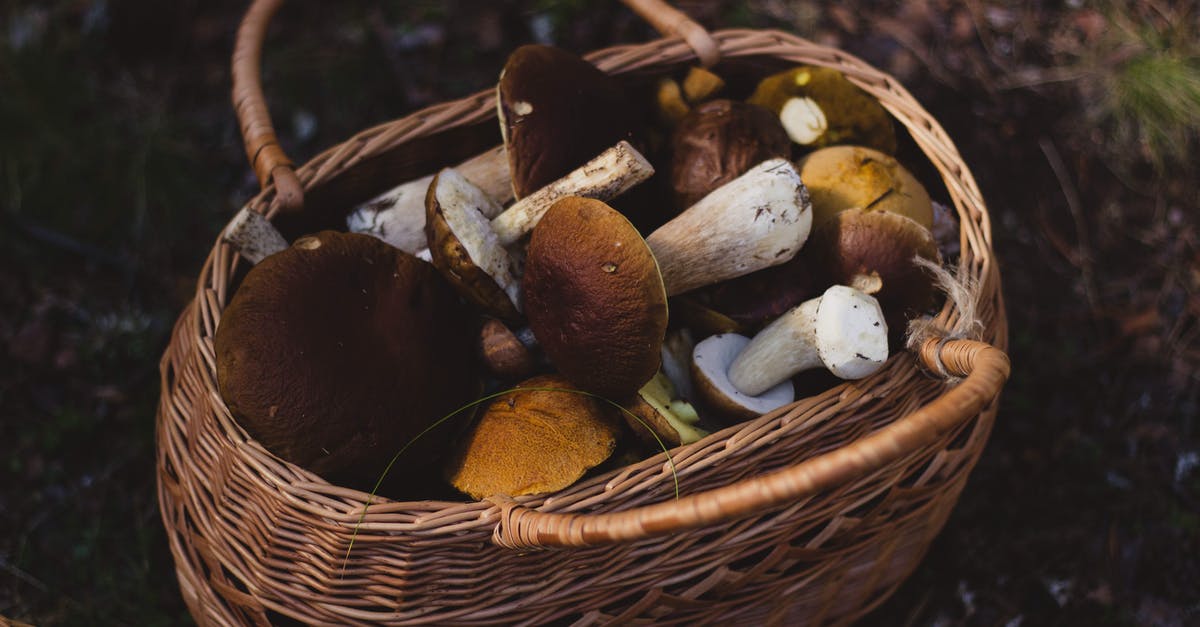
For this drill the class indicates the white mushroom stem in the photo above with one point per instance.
(254, 237)
(606, 176)
(842, 330)
(757, 220)
(398, 215)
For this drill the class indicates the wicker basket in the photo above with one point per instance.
(812, 514)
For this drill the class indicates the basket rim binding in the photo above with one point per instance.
(340, 507)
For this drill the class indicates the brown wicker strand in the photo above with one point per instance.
(262, 146)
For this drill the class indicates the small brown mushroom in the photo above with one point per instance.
(503, 352)
(541, 438)
(873, 251)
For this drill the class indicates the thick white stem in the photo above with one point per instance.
(398, 215)
(254, 237)
(785, 347)
(757, 220)
(607, 176)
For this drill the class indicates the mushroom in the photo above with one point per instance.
(254, 237)
(340, 350)
(596, 292)
(674, 100)
(605, 176)
(660, 415)
(819, 107)
(540, 438)
(464, 248)
(398, 215)
(700, 84)
(669, 102)
(710, 375)
(842, 330)
(471, 251)
(717, 142)
(841, 177)
(504, 352)
(873, 252)
(757, 220)
(594, 298)
(557, 111)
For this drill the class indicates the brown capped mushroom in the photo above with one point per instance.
(534, 441)
(503, 352)
(717, 142)
(873, 251)
(841, 177)
(556, 112)
(595, 291)
(594, 297)
(336, 352)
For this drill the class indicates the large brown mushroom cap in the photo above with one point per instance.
(594, 297)
(338, 351)
(534, 441)
(717, 142)
(841, 177)
(556, 112)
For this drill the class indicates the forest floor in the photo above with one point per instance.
(120, 161)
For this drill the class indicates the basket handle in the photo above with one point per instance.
(985, 367)
(266, 156)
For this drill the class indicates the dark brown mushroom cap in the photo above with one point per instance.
(338, 351)
(878, 246)
(717, 142)
(534, 441)
(594, 297)
(757, 298)
(557, 111)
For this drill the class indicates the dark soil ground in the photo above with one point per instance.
(120, 161)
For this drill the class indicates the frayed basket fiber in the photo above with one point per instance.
(812, 514)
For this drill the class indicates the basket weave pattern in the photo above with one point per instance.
(252, 534)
